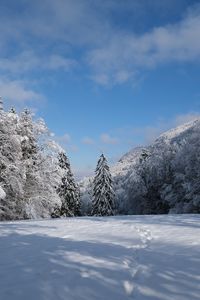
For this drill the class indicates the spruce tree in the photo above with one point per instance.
(103, 203)
(26, 130)
(11, 169)
(12, 110)
(1, 104)
(68, 190)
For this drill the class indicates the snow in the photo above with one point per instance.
(2, 193)
(181, 129)
(127, 162)
(119, 258)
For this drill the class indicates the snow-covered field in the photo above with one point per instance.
(116, 258)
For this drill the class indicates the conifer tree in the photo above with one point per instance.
(1, 104)
(26, 130)
(11, 169)
(28, 168)
(68, 190)
(12, 110)
(103, 203)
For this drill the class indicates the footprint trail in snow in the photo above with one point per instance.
(120, 258)
(135, 269)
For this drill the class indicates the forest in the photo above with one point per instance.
(36, 179)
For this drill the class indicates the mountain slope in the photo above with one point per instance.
(162, 177)
(126, 162)
(176, 135)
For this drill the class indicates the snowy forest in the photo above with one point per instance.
(161, 178)
(35, 175)
(36, 180)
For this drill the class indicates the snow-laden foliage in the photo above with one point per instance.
(167, 179)
(86, 193)
(103, 203)
(2, 193)
(67, 189)
(161, 178)
(36, 180)
(29, 168)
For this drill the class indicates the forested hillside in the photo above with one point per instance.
(161, 178)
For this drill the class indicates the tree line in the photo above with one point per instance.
(36, 180)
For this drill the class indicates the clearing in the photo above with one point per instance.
(115, 258)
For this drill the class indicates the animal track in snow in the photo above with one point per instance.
(133, 265)
(135, 269)
(145, 235)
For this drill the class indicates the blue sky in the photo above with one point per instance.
(105, 75)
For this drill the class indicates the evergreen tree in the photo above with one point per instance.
(28, 168)
(103, 203)
(26, 130)
(12, 110)
(40, 197)
(11, 169)
(68, 190)
(1, 104)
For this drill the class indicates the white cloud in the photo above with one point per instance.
(66, 142)
(16, 91)
(88, 171)
(72, 148)
(148, 134)
(107, 139)
(114, 55)
(87, 141)
(64, 139)
(28, 61)
(67, 22)
(58, 62)
(124, 54)
(184, 118)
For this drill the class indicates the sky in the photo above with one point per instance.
(105, 75)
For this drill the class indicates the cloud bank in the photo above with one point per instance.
(98, 40)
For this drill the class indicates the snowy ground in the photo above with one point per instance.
(119, 258)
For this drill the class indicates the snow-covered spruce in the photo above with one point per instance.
(1, 104)
(2, 193)
(103, 203)
(68, 189)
